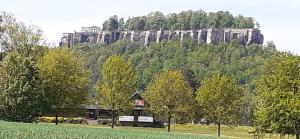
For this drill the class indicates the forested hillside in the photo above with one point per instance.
(197, 61)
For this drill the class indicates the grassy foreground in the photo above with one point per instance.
(11, 130)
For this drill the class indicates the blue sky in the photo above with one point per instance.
(279, 19)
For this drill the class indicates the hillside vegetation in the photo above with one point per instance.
(196, 61)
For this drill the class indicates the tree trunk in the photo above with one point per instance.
(219, 128)
(298, 129)
(169, 123)
(56, 118)
(112, 119)
(1, 54)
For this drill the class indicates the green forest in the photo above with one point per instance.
(244, 64)
(196, 61)
(184, 20)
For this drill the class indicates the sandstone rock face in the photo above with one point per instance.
(209, 36)
(150, 36)
(202, 35)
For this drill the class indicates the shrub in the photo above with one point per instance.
(72, 120)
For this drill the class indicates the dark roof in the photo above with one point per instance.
(136, 94)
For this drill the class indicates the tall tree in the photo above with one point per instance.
(219, 97)
(169, 95)
(198, 20)
(225, 19)
(111, 24)
(117, 85)
(136, 23)
(243, 22)
(184, 19)
(121, 24)
(190, 78)
(278, 90)
(155, 21)
(16, 36)
(20, 91)
(64, 80)
(171, 22)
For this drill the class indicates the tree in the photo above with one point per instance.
(171, 22)
(16, 36)
(117, 85)
(243, 22)
(169, 95)
(105, 25)
(155, 21)
(184, 19)
(278, 94)
(20, 88)
(111, 24)
(121, 24)
(137, 23)
(224, 19)
(190, 78)
(219, 97)
(140, 24)
(198, 20)
(64, 81)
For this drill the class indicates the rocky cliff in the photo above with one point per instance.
(209, 36)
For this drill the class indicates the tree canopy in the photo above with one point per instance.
(219, 97)
(117, 85)
(16, 36)
(64, 80)
(20, 88)
(278, 92)
(169, 95)
(184, 20)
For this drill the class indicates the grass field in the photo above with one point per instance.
(11, 130)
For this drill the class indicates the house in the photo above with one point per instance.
(139, 116)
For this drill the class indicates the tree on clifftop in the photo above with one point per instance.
(112, 24)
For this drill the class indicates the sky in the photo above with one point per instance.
(279, 19)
